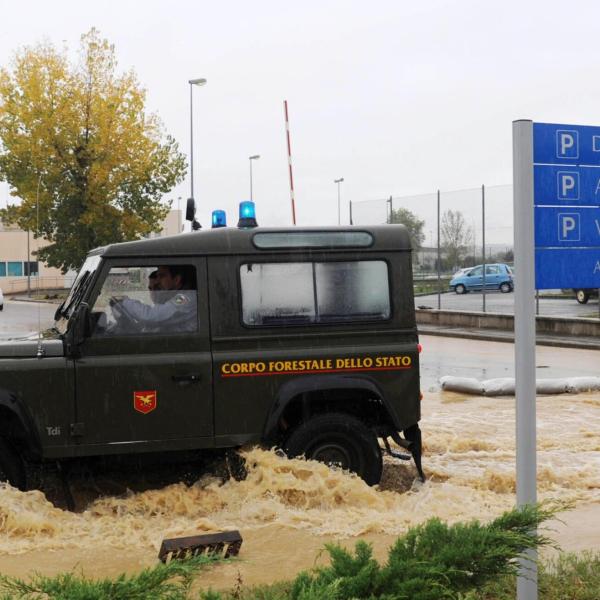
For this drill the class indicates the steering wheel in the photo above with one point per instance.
(125, 322)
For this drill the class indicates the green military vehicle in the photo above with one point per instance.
(302, 339)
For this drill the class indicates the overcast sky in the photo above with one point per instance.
(398, 98)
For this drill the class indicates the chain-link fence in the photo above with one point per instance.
(459, 229)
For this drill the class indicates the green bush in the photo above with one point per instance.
(162, 582)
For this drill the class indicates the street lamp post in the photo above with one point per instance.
(338, 181)
(193, 82)
(251, 158)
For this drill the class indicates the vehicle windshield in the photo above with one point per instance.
(78, 289)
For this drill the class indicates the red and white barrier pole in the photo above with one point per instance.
(289, 149)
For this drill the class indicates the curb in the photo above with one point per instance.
(34, 301)
(496, 335)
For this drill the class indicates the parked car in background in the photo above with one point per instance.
(498, 276)
(584, 294)
(1, 300)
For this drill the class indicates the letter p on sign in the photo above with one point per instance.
(568, 185)
(568, 227)
(567, 143)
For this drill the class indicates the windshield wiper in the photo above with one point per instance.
(58, 313)
(77, 294)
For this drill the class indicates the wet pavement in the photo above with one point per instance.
(19, 318)
(483, 359)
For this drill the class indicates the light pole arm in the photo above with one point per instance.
(250, 180)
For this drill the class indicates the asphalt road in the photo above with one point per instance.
(488, 360)
(19, 318)
(504, 303)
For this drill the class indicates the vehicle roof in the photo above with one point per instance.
(230, 240)
(491, 265)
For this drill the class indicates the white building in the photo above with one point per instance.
(15, 266)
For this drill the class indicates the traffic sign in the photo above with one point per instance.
(566, 196)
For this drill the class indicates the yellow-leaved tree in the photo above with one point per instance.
(79, 149)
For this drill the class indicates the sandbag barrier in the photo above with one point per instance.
(505, 386)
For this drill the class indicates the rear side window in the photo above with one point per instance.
(314, 292)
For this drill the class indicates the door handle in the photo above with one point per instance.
(186, 379)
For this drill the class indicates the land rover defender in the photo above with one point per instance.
(303, 339)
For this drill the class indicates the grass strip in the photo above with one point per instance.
(161, 582)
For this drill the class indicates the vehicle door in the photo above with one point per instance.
(492, 276)
(474, 279)
(302, 318)
(144, 377)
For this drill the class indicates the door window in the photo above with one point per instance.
(147, 300)
(492, 270)
(477, 272)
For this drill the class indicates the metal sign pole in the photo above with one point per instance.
(483, 241)
(527, 588)
(439, 257)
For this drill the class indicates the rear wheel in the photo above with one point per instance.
(582, 296)
(11, 466)
(505, 287)
(340, 440)
(460, 289)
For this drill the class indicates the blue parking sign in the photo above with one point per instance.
(566, 196)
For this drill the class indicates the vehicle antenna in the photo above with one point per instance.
(40, 349)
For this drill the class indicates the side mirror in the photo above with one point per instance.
(190, 214)
(79, 329)
(190, 209)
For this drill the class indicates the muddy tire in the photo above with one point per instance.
(582, 296)
(11, 466)
(460, 289)
(338, 440)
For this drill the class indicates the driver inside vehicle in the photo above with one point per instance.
(172, 308)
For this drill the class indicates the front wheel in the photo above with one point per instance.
(460, 289)
(505, 287)
(11, 466)
(582, 296)
(339, 440)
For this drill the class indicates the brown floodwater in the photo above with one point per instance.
(287, 509)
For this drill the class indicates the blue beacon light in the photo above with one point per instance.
(247, 214)
(219, 219)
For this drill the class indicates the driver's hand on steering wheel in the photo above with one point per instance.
(116, 299)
